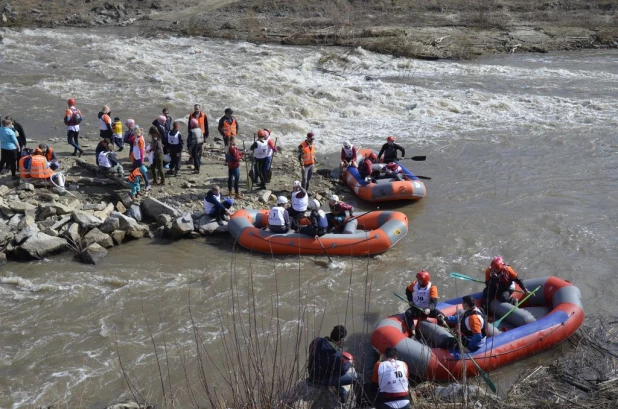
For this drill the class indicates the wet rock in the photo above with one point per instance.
(264, 195)
(40, 245)
(118, 236)
(97, 236)
(86, 220)
(137, 232)
(72, 234)
(2, 259)
(109, 225)
(182, 226)
(125, 222)
(93, 254)
(26, 233)
(165, 220)
(135, 212)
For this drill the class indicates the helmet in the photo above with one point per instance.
(372, 157)
(296, 183)
(282, 200)
(130, 123)
(348, 357)
(497, 263)
(162, 119)
(228, 111)
(314, 204)
(334, 198)
(261, 133)
(71, 101)
(194, 123)
(347, 145)
(390, 139)
(423, 277)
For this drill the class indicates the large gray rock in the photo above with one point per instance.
(4, 189)
(118, 236)
(94, 206)
(66, 207)
(264, 195)
(20, 207)
(135, 212)
(97, 236)
(93, 254)
(86, 220)
(26, 233)
(15, 220)
(47, 211)
(5, 234)
(25, 222)
(72, 234)
(109, 225)
(165, 220)
(40, 245)
(207, 225)
(60, 223)
(137, 232)
(182, 226)
(104, 214)
(153, 208)
(125, 222)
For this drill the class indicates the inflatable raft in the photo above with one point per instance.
(546, 319)
(384, 190)
(379, 231)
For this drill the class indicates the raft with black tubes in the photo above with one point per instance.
(366, 234)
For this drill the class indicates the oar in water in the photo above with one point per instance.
(497, 323)
(330, 260)
(465, 277)
(423, 177)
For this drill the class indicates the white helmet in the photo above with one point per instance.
(334, 198)
(296, 183)
(314, 204)
(347, 145)
(282, 200)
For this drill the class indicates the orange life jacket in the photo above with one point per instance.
(135, 174)
(308, 153)
(201, 121)
(49, 154)
(39, 168)
(23, 171)
(229, 129)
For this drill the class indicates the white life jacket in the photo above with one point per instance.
(104, 160)
(270, 150)
(103, 124)
(173, 137)
(275, 217)
(420, 295)
(209, 206)
(300, 204)
(348, 152)
(392, 379)
(261, 151)
(197, 135)
(137, 153)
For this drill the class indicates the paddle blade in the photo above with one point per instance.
(418, 158)
(460, 276)
(423, 177)
(483, 375)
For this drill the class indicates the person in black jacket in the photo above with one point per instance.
(327, 365)
(389, 149)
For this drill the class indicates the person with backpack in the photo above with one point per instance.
(72, 118)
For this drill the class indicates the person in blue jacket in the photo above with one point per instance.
(326, 364)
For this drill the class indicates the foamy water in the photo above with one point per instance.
(521, 150)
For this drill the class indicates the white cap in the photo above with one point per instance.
(314, 204)
(282, 200)
(296, 183)
(334, 198)
(347, 145)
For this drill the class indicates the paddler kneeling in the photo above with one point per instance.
(472, 325)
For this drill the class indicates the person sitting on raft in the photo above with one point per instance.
(394, 171)
(472, 325)
(300, 201)
(365, 168)
(279, 218)
(319, 222)
(500, 279)
(423, 298)
(348, 157)
(338, 211)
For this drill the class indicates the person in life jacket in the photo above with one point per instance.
(319, 222)
(134, 180)
(228, 126)
(24, 163)
(117, 131)
(389, 150)
(174, 146)
(39, 168)
(50, 155)
(348, 157)
(105, 124)
(216, 206)
(391, 376)
(108, 163)
(260, 154)
(365, 167)
(201, 118)
(138, 155)
(72, 118)
(129, 135)
(394, 171)
(232, 159)
(300, 201)
(306, 156)
(422, 297)
(472, 325)
(279, 218)
(326, 364)
(272, 149)
(338, 211)
(500, 280)
(195, 142)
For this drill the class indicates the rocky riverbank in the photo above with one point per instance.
(96, 213)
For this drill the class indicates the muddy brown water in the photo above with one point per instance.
(520, 149)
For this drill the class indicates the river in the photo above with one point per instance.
(520, 148)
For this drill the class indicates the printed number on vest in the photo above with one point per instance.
(398, 374)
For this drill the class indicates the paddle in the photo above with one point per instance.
(423, 177)
(330, 260)
(249, 180)
(497, 323)
(416, 158)
(465, 277)
(270, 168)
(356, 217)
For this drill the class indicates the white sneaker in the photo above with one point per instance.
(148, 188)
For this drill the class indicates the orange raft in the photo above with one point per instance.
(383, 190)
(381, 230)
(546, 319)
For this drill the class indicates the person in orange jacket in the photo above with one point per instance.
(422, 297)
(500, 280)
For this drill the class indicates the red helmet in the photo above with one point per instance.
(497, 263)
(348, 357)
(372, 157)
(423, 277)
(390, 139)
(71, 102)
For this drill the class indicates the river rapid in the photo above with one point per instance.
(521, 150)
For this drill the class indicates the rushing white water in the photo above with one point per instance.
(521, 151)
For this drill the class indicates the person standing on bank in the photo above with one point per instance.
(232, 158)
(105, 124)
(228, 126)
(9, 148)
(260, 154)
(72, 118)
(389, 149)
(174, 146)
(156, 148)
(195, 142)
(306, 156)
(200, 117)
(391, 375)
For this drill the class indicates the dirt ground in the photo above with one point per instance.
(428, 29)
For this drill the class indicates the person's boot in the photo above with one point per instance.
(237, 196)
(81, 151)
(229, 193)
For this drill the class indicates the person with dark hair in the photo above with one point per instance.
(423, 298)
(472, 325)
(216, 205)
(228, 126)
(306, 156)
(326, 364)
(391, 375)
(50, 155)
